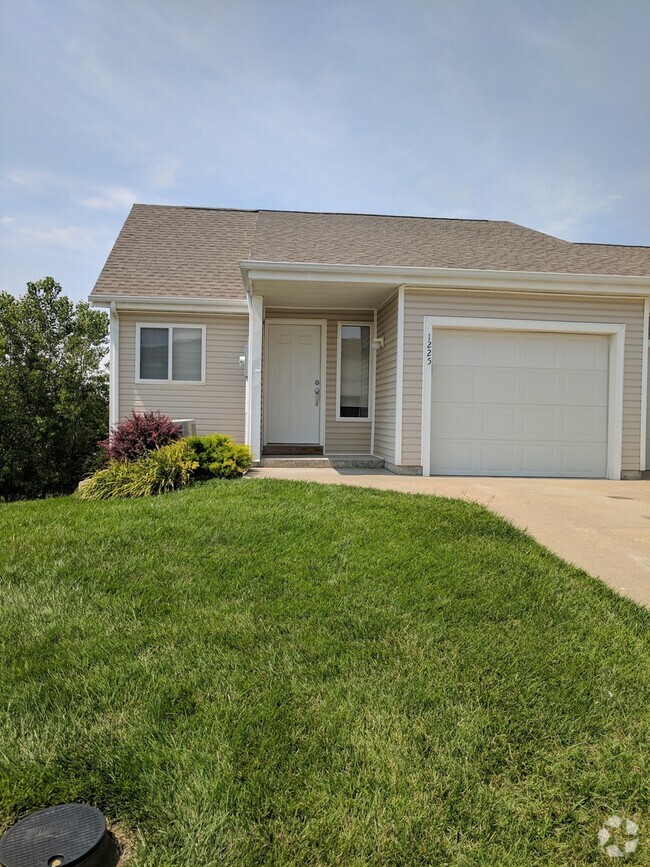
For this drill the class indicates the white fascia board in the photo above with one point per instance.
(171, 304)
(446, 278)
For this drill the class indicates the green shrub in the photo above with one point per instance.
(158, 472)
(219, 457)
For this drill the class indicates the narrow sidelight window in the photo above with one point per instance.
(353, 371)
(170, 353)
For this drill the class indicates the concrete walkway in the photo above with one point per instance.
(601, 526)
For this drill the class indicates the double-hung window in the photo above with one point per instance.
(170, 353)
(353, 371)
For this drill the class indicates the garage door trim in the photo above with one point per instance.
(615, 331)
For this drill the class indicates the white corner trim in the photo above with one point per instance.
(114, 368)
(171, 304)
(322, 323)
(169, 326)
(399, 374)
(345, 420)
(254, 381)
(616, 333)
(373, 385)
(645, 348)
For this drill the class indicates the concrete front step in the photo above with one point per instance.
(368, 462)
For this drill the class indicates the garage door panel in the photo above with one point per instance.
(541, 387)
(455, 417)
(495, 382)
(496, 422)
(580, 461)
(540, 457)
(539, 422)
(463, 351)
(586, 351)
(456, 456)
(453, 384)
(585, 388)
(517, 403)
(583, 424)
(498, 353)
(569, 387)
(539, 350)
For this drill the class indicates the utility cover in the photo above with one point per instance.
(64, 835)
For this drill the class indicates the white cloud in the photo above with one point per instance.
(111, 199)
(164, 172)
(31, 178)
(7, 221)
(573, 209)
(76, 238)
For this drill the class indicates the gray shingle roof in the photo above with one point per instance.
(181, 252)
(195, 252)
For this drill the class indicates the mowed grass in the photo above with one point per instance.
(264, 672)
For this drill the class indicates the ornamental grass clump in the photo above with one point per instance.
(139, 433)
(219, 457)
(166, 469)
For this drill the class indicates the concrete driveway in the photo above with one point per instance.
(601, 526)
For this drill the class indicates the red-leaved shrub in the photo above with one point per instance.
(139, 433)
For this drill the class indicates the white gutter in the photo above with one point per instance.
(114, 368)
(446, 278)
(161, 303)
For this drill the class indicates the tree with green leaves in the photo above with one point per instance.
(53, 390)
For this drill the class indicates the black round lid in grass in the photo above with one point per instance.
(61, 836)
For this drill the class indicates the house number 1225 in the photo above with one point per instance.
(429, 349)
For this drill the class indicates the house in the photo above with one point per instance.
(433, 346)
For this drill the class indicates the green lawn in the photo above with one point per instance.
(263, 672)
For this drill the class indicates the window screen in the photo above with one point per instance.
(171, 353)
(154, 353)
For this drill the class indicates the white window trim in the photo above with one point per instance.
(340, 324)
(615, 332)
(169, 381)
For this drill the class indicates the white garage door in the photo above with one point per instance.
(519, 403)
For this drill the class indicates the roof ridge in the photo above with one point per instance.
(331, 214)
(196, 208)
(383, 216)
(606, 244)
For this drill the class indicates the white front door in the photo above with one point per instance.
(293, 392)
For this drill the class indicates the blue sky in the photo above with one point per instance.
(534, 111)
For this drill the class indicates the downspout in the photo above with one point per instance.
(254, 374)
(247, 398)
(114, 367)
(399, 385)
(644, 385)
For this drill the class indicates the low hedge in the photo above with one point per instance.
(219, 457)
(169, 468)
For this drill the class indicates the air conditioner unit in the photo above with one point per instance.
(187, 424)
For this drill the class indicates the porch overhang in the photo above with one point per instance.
(306, 284)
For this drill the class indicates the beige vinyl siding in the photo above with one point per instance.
(219, 404)
(341, 437)
(418, 304)
(386, 381)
